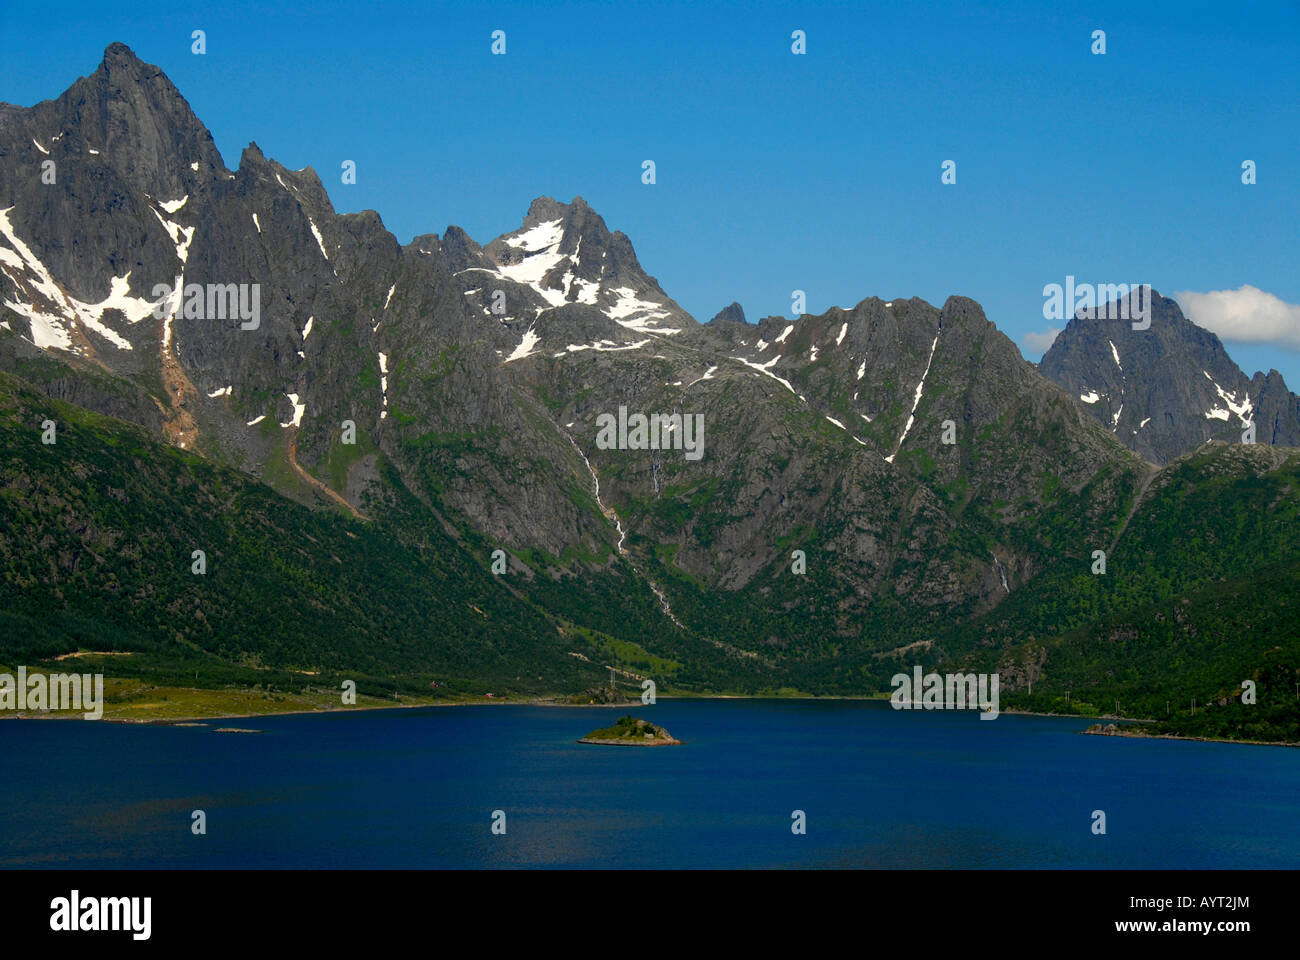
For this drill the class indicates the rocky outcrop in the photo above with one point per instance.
(629, 732)
(1165, 390)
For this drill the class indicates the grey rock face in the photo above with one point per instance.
(908, 447)
(1277, 410)
(1166, 390)
(732, 313)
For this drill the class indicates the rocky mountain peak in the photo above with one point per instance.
(1166, 388)
(461, 250)
(137, 121)
(252, 155)
(544, 208)
(732, 313)
(121, 62)
(564, 255)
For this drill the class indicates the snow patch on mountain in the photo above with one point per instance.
(298, 409)
(181, 236)
(763, 368)
(50, 330)
(1243, 410)
(636, 314)
(708, 375)
(544, 236)
(916, 400)
(603, 346)
(320, 242)
(119, 298)
(540, 245)
(526, 345)
(47, 329)
(588, 291)
(629, 304)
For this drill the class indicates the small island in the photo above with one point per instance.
(629, 731)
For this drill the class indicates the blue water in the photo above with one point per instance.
(416, 788)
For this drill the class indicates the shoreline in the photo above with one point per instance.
(548, 701)
(1141, 735)
(1079, 716)
(205, 719)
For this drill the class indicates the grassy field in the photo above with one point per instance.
(130, 699)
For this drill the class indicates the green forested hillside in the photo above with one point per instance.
(1199, 594)
(97, 533)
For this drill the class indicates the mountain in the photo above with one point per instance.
(347, 415)
(565, 254)
(1165, 390)
(285, 594)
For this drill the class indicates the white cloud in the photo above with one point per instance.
(1039, 342)
(1244, 315)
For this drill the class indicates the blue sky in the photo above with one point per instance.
(775, 172)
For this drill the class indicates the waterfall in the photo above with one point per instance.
(612, 516)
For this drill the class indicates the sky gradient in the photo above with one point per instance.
(775, 172)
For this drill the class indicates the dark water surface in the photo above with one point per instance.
(417, 788)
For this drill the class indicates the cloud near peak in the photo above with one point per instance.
(1245, 315)
(1040, 342)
